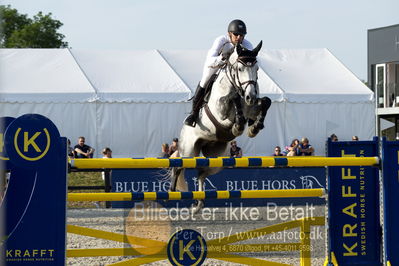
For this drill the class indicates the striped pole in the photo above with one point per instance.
(198, 162)
(198, 195)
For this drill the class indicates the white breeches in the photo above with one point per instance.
(206, 74)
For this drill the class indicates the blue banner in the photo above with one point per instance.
(353, 205)
(35, 201)
(390, 170)
(153, 180)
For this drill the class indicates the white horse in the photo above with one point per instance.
(233, 102)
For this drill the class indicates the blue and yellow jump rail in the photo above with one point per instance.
(243, 162)
(198, 195)
(34, 205)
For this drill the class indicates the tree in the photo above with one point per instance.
(19, 31)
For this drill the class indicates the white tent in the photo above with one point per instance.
(132, 101)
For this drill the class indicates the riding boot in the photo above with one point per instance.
(197, 103)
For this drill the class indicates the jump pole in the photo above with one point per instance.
(198, 195)
(245, 162)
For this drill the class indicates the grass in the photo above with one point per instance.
(85, 179)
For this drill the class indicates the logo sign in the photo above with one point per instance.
(29, 139)
(186, 247)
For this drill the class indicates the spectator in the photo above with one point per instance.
(292, 150)
(107, 152)
(277, 151)
(355, 138)
(174, 146)
(165, 151)
(235, 151)
(71, 153)
(333, 137)
(82, 150)
(304, 148)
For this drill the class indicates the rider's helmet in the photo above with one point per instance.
(238, 27)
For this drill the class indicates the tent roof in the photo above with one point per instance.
(131, 76)
(42, 75)
(313, 75)
(63, 75)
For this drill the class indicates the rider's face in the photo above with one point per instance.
(236, 38)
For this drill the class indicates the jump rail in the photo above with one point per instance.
(198, 162)
(198, 195)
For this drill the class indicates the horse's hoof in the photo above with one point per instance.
(252, 132)
(197, 207)
(259, 126)
(236, 130)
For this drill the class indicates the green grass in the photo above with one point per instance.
(85, 179)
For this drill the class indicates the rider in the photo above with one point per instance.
(215, 59)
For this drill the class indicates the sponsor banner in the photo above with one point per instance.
(353, 206)
(35, 200)
(154, 180)
(390, 170)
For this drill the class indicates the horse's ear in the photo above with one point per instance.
(257, 48)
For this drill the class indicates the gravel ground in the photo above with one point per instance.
(149, 223)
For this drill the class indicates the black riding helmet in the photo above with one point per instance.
(237, 26)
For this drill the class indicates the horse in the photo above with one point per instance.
(232, 104)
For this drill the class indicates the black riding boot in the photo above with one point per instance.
(197, 102)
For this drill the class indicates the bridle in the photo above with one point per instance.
(247, 61)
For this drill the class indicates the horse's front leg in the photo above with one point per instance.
(201, 187)
(239, 123)
(174, 177)
(255, 126)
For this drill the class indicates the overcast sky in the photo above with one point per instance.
(340, 26)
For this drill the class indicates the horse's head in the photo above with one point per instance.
(243, 69)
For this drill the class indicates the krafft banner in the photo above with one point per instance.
(390, 170)
(35, 200)
(353, 192)
(154, 180)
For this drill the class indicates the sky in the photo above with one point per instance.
(340, 26)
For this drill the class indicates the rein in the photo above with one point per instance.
(222, 132)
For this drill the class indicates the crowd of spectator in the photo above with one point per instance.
(171, 150)
(296, 148)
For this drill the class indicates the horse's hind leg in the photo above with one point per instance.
(264, 105)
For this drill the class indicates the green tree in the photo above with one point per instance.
(19, 31)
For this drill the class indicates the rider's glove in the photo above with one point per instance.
(220, 61)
